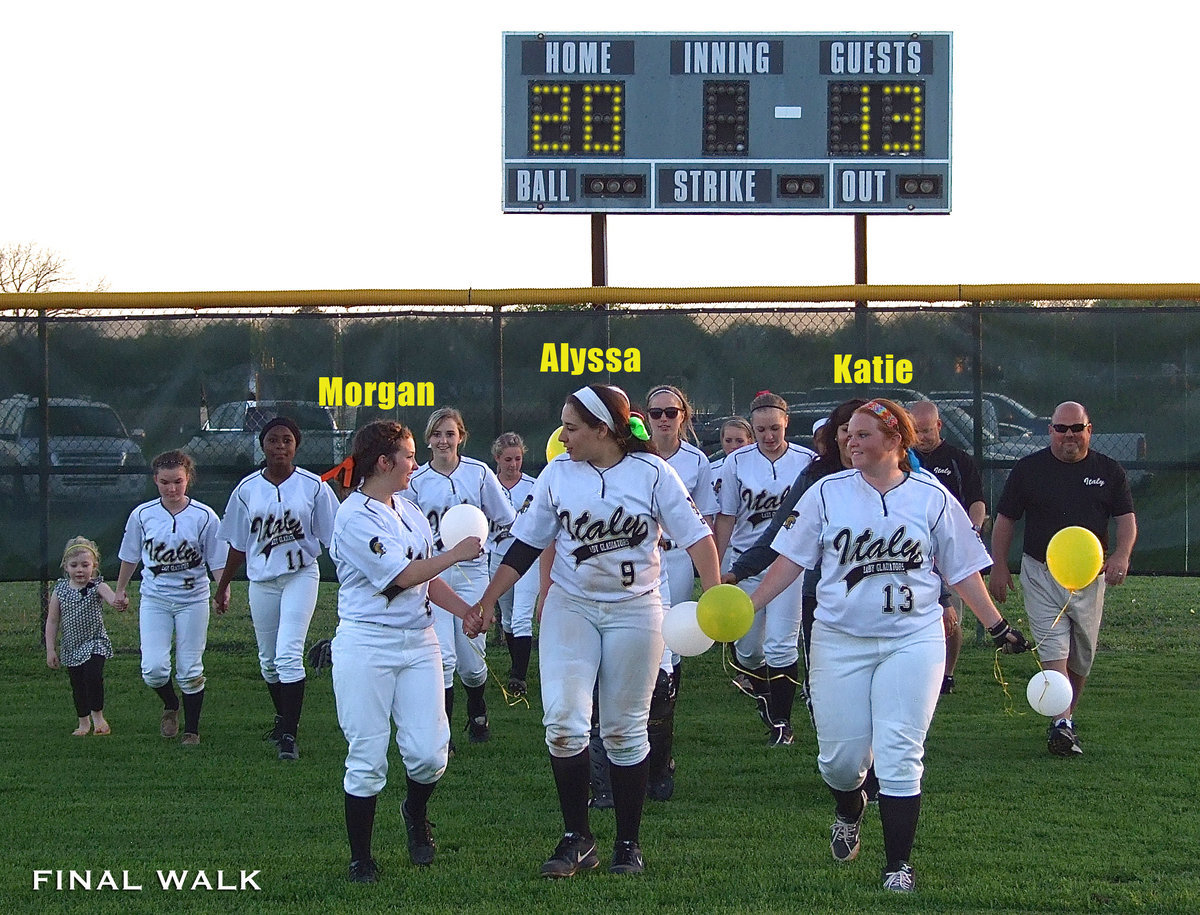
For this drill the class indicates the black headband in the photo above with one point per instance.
(280, 421)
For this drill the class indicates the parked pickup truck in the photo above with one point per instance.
(229, 440)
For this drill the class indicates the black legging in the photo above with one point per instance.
(87, 685)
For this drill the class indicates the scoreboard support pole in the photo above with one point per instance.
(861, 318)
(600, 271)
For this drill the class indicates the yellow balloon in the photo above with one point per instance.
(1074, 557)
(553, 446)
(724, 613)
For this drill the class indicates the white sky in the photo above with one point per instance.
(249, 145)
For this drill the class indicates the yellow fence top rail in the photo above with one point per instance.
(600, 295)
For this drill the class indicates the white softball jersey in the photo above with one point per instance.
(471, 482)
(877, 550)
(753, 487)
(606, 524)
(174, 550)
(279, 528)
(693, 468)
(373, 543)
(500, 535)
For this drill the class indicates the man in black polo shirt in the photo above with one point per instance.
(1063, 485)
(955, 470)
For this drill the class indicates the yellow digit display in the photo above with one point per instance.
(576, 118)
(877, 118)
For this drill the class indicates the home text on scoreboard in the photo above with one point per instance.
(719, 123)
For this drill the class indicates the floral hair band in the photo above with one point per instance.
(889, 418)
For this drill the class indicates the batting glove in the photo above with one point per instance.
(1009, 640)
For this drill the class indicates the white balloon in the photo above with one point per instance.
(460, 522)
(681, 630)
(1049, 693)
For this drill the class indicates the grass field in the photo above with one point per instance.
(1004, 827)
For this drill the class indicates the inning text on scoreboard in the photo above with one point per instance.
(772, 123)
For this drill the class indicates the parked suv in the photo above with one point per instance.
(91, 454)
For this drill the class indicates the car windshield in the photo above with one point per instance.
(76, 420)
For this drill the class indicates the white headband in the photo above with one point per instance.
(595, 405)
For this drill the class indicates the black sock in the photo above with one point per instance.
(450, 706)
(192, 703)
(521, 647)
(291, 696)
(629, 796)
(898, 815)
(476, 703)
(418, 798)
(166, 692)
(849, 804)
(783, 692)
(759, 677)
(508, 640)
(572, 778)
(360, 823)
(275, 689)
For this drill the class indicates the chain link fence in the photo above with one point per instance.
(88, 397)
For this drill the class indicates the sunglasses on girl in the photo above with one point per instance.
(657, 412)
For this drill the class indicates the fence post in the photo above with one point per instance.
(498, 369)
(44, 465)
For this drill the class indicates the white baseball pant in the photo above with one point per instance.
(158, 621)
(459, 652)
(617, 642)
(517, 604)
(874, 698)
(282, 609)
(774, 635)
(680, 584)
(383, 674)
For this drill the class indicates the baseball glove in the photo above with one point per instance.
(320, 655)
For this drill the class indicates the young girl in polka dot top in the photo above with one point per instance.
(75, 609)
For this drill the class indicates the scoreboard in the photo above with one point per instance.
(727, 123)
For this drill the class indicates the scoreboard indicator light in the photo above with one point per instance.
(727, 123)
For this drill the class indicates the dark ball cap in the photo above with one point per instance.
(280, 421)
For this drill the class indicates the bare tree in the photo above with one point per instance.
(26, 267)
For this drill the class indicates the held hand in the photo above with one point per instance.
(1007, 639)
(221, 600)
(729, 579)
(121, 601)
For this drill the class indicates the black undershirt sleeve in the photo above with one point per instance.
(521, 556)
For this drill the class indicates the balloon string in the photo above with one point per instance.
(727, 663)
(998, 672)
(509, 699)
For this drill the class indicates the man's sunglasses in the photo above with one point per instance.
(657, 412)
(1063, 428)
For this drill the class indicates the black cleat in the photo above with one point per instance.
(287, 747)
(364, 871)
(1062, 741)
(274, 733)
(947, 685)
(781, 735)
(478, 730)
(627, 859)
(574, 853)
(421, 846)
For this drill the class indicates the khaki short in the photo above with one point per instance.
(1074, 636)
